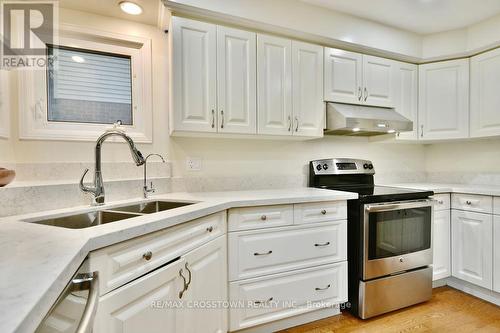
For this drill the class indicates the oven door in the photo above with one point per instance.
(397, 237)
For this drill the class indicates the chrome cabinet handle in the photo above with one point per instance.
(323, 211)
(468, 202)
(189, 275)
(366, 94)
(440, 202)
(262, 302)
(213, 118)
(322, 244)
(325, 288)
(210, 229)
(360, 94)
(296, 124)
(289, 124)
(263, 217)
(222, 119)
(262, 254)
(148, 255)
(90, 310)
(421, 131)
(185, 285)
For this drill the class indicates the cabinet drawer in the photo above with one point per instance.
(261, 252)
(120, 263)
(320, 212)
(443, 201)
(285, 295)
(472, 202)
(248, 218)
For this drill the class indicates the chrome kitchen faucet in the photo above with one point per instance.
(98, 189)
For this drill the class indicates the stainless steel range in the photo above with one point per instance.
(389, 237)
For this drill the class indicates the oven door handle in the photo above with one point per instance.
(400, 205)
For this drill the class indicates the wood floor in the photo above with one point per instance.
(449, 310)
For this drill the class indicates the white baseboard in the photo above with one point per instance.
(293, 321)
(469, 288)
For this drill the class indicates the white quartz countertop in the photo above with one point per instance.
(453, 188)
(37, 261)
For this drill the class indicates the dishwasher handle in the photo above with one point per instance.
(90, 282)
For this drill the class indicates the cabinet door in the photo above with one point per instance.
(236, 81)
(193, 47)
(441, 241)
(472, 249)
(307, 85)
(274, 85)
(406, 100)
(208, 283)
(343, 76)
(443, 108)
(143, 303)
(484, 94)
(496, 254)
(378, 81)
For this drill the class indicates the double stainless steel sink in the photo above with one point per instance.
(94, 218)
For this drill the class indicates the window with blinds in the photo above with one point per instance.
(89, 87)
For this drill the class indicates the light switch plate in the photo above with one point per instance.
(193, 163)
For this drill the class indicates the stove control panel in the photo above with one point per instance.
(342, 166)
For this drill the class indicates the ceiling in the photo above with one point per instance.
(419, 16)
(111, 8)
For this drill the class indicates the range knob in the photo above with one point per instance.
(365, 166)
(325, 166)
(318, 167)
(370, 166)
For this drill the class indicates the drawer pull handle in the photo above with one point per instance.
(185, 285)
(189, 275)
(468, 202)
(262, 254)
(325, 288)
(323, 244)
(440, 202)
(210, 229)
(323, 212)
(263, 302)
(263, 217)
(148, 255)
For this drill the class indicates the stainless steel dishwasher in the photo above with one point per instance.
(75, 308)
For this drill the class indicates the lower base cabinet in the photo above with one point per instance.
(154, 303)
(273, 297)
(496, 253)
(472, 247)
(441, 245)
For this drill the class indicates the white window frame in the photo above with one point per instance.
(4, 104)
(33, 123)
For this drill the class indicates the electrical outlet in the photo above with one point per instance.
(193, 163)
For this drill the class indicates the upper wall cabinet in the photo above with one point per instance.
(406, 96)
(236, 81)
(484, 94)
(193, 75)
(274, 85)
(359, 79)
(443, 108)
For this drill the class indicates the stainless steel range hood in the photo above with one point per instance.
(357, 120)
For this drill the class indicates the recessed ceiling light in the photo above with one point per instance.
(131, 8)
(78, 59)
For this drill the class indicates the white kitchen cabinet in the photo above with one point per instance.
(378, 81)
(496, 254)
(484, 96)
(193, 76)
(206, 271)
(143, 303)
(472, 248)
(307, 87)
(406, 96)
(343, 76)
(274, 85)
(236, 81)
(359, 79)
(443, 108)
(441, 245)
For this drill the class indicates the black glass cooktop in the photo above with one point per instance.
(383, 193)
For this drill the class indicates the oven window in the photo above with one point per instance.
(399, 232)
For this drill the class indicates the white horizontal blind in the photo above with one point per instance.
(93, 77)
